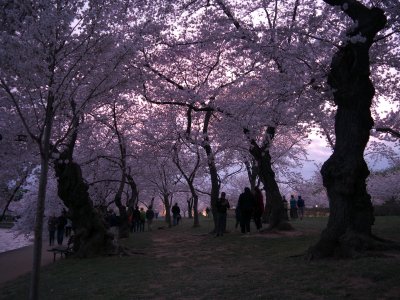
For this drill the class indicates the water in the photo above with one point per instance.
(10, 240)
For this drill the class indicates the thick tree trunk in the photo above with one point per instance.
(91, 237)
(344, 174)
(277, 218)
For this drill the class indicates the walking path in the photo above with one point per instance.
(18, 262)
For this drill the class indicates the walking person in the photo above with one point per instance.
(175, 214)
(259, 208)
(142, 220)
(300, 207)
(52, 226)
(246, 206)
(222, 206)
(149, 217)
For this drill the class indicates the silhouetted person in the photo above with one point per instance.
(300, 207)
(175, 214)
(149, 217)
(293, 207)
(52, 226)
(222, 206)
(136, 219)
(61, 222)
(246, 206)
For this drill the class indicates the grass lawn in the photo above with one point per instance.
(187, 263)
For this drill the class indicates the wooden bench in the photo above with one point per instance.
(66, 251)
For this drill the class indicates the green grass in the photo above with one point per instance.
(188, 263)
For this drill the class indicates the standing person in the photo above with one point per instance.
(61, 222)
(175, 214)
(142, 219)
(51, 226)
(136, 219)
(222, 207)
(259, 207)
(246, 206)
(293, 208)
(149, 217)
(300, 207)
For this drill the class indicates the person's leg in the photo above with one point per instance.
(243, 223)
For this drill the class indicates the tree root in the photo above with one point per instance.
(352, 245)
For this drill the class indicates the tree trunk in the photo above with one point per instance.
(123, 228)
(37, 246)
(91, 237)
(277, 217)
(167, 210)
(344, 174)
(44, 145)
(132, 201)
(190, 207)
(267, 175)
(215, 184)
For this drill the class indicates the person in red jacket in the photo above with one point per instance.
(259, 208)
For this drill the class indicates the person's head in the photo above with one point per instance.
(150, 207)
(176, 204)
(291, 196)
(299, 196)
(223, 195)
(247, 190)
(141, 208)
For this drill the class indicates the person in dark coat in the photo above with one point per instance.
(136, 219)
(246, 206)
(61, 222)
(176, 211)
(293, 207)
(300, 207)
(52, 226)
(149, 217)
(259, 208)
(222, 207)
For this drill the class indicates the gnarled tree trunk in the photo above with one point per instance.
(344, 174)
(277, 219)
(91, 237)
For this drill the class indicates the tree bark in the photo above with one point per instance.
(167, 206)
(344, 174)
(277, 219)
(91, 237)
(212, 168)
